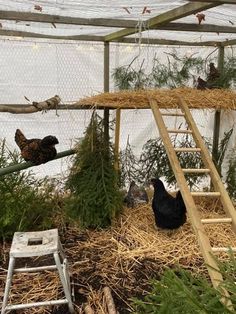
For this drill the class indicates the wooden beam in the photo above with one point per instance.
(216, 1)
(6, 32)
(148, 41)
(206, 28)
(57, 19)
(177, 13)
(153, 41)
(231, 42)
(120, 23)
(117, 139)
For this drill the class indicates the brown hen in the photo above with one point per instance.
(38, 151)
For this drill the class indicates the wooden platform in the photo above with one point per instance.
(165, 98)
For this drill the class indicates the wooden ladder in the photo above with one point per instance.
(220, 191)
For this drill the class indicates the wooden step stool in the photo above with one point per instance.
(29, 244)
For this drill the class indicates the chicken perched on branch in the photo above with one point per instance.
(169, 211)
(38, 151)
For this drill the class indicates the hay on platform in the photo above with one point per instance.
(123, 257)
(166, 98)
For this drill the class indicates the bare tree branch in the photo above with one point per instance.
(51, 103)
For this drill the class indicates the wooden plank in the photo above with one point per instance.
(216, 1)
(216, 220)
(6, 32)
(119, 23)
(179, 131)
(178, 114)
(203, 240)
(166, 17)
(206, 157)
(195, 170)
(223, 249)
(229, 42)
(187, 149)
(117, 139)
(148, 41)
(212, 194)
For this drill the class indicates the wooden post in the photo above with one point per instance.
(106, 89)
(216, 130)
(117, 139)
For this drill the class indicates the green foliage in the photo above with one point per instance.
(95, 199)
(228, 76)
(176, 72)
(126, 77)
(221, 151)
(231, 175)
(129, 166)
(155, 163)
(26, 203)
(179, 291)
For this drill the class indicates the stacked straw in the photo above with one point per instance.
(166, 98)
(124, 258)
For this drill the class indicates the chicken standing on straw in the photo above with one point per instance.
(169, 211)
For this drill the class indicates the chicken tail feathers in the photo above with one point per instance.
(20, 139)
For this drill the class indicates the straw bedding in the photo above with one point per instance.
(198, 99)
(123, 257)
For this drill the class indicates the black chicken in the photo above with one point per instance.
(169, 212)
(201, 84)
(36, 150)
(135, 195)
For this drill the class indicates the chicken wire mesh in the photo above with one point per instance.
(35, 70)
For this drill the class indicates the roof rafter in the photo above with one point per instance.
(46, 18)
(101, 39)
(174, 14)
(216, 1)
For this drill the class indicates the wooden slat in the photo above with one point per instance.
(214, 194)
(195, 170)
(187, 149)
(178, 114)
(223, 249)
(179, 131)
(194, 217)
(216, 1)
(206, 157)
(216, 220)
(166, 17)
(119, 23)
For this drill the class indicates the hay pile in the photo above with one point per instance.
(198, 99)
(123, 257)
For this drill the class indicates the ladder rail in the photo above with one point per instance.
(202, 237)
(206, 157)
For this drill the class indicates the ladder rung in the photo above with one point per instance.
(179, 131)
(195, 170)
(223, 249)
(187, 149)
(215, 194)
(35, 269)
(216, 220)
(180, 114)
(34, 304)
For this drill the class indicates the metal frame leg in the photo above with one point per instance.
(8, 283)
(64, 282)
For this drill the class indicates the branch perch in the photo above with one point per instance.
(51, 103)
